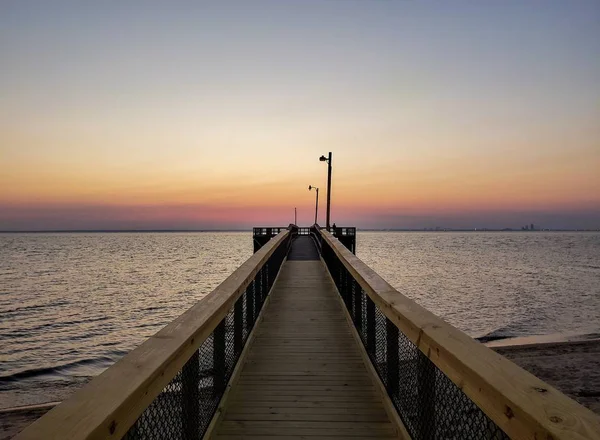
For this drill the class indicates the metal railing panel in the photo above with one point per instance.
(443, 383)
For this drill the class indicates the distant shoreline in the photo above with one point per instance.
(141, 231)
(120, 231)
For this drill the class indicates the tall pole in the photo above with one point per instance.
(328, 191)
(317, 207)
(295, 216)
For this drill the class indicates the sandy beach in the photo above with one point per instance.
(573, 367)
(14, 420)
(20, 407)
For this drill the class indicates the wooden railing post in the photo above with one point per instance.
(342, 276)
(351, 305)
(250, 301)
(238, 326)
(190, 405)
(426, 395)
(258, 293)
(219, 358)
(267, 284)
(357, 291)
(371, 340)
(348, 295)
(261, 285)
(392, 358)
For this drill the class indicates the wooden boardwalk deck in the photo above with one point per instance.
(304, 376)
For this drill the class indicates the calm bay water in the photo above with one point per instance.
(73, 304)
(495, 284)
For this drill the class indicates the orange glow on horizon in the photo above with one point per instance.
(437, 187)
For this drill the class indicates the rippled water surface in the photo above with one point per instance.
(73, 304)
(495, 284)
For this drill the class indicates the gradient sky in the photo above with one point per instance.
(213, 114)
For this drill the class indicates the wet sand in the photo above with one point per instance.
(573, 367)
(20, 407)
(14, 420)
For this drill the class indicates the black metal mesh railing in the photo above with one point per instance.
(184, 409)
(429, 404)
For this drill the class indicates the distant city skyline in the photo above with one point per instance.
(112, 222)
(212, 115)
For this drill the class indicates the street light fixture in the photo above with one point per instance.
(317, 203)
(328, 160)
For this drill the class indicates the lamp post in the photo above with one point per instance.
(328, 160)
(317, 203)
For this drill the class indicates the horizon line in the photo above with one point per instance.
(64, 231)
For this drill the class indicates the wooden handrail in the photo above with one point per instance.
(111, 403)
(521, 404)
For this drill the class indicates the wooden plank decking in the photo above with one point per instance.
(304, 376)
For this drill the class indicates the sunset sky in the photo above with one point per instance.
(195, 115)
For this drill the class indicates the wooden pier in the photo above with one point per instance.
(304, 374)
(304, 340)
